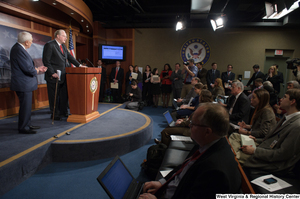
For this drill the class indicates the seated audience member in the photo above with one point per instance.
(276, 107)
(238, 104)
(135, 96)
(258, 85)
(262, 122)
(182, 125)
(273, 78)
(192, 93)
(218, 88)
(280, 149)
(293, 84)
(256, 74)
(187, 109)
(211, 170)
(273, 94)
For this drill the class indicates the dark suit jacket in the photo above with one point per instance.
(179, 82)
(209, 77)
(23, 73)
(225, 77)
(241, 109)
(254, 77)
(55, 60)
(284, 155)
(120, 76)
(103, 76)
(216, 171)
(275, 80)
(202, 75)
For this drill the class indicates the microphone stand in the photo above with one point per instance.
(90, 62)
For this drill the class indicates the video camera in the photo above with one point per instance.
(292, 63)
(186, 63)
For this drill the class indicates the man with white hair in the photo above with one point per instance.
(57, 57)
(24, 80)
(238, 104)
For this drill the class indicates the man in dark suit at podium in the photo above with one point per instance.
(24, 80)
(57, 57)
(103, 80)
(116, 77)
(227, 78)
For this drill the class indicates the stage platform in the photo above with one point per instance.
(117, 131)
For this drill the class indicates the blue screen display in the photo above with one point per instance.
(112, 52)
(117, 180)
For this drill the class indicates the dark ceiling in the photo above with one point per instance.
(164, 13)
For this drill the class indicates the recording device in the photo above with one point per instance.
(186, 63)
(292, 63)
(270, 180)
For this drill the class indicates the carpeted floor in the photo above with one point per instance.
(78, 180)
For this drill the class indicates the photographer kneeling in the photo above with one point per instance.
(134, 97)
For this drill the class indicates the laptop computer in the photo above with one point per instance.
(175, 105)
(118, 182)
(169, 118)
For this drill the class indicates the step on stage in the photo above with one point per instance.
(116, 132)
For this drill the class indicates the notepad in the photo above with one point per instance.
(245, 140)
(114, 85)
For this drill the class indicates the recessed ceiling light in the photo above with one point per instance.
(88, 30)
(35, 0)
(72, 13)
(87, 26)
(54, 3)
(82, 20)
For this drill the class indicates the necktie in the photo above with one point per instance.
(116, 73)
(61, 49)
(194, 157)
(228, 74)
(213, 77)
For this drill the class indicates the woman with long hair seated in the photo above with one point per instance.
(262, 122)
(218, 88)
(187, 109)
(182, 125)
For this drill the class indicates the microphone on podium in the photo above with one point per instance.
(80, 61)
(90, 62)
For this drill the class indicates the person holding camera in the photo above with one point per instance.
(191, 71)
(134, 96)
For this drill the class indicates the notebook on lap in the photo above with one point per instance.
(169, 118)
(118, 182)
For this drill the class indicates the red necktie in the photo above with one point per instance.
(116, 73)
(194, 157)
(61, 49)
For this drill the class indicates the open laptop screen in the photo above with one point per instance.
(168, 117)
(117, 180)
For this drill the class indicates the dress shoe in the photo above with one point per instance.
(27, 131)
(157, 141)
(34, 127)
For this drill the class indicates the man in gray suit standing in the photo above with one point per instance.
(57, 57)
(280, 150)
(24, 80)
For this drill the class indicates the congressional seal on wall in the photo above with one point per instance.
(195, 48)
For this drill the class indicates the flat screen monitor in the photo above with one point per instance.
(112, 52)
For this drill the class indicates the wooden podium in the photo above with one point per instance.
(83, 92)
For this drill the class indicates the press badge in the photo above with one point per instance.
(273, 144)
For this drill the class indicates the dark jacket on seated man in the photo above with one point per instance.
(211, 170)
(280, 150)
